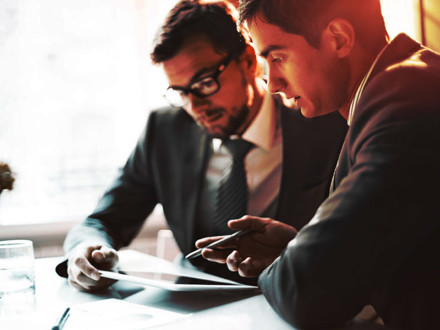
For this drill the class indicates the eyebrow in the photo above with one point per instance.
(201, 73)
(269, 49)
(195, 77)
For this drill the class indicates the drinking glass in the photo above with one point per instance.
(17, 276)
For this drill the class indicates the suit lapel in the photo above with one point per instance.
(196, 154)
(341, 168)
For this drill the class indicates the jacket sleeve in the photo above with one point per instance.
(381, 213)
(124, 207)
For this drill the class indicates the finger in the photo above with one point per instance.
(107, 253)
(83, 283)
(86, 267)
(83, 280)
(249, 222)
(247, 268)
(105, 257)
(200, 243)
(233, 261)
(218, 256)
(88, 250)
(98, 257)
(78, 279)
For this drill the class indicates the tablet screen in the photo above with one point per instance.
(175, 279)
(174, 282)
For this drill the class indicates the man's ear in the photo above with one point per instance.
(339, 37)
(248, 60)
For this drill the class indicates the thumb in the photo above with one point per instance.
(105, 255)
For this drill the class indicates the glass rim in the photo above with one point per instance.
(15, 243)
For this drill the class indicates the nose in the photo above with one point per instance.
(276, 83)
(193, 103)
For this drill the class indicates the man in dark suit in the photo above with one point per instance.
(375, 238)
(179, 159)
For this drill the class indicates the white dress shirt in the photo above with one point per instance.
(263, 165)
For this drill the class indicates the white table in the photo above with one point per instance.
(203, 310)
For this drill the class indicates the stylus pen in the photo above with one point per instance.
(228, 238)
(62, 320)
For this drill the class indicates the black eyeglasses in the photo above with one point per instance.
(201, 87)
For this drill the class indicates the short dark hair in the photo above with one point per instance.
(309, 17)
(217, 20)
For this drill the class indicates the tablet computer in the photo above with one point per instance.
(174, 282)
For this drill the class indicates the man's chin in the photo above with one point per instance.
(222, 133)
(218, 134)
(307, 113)
(312, 113)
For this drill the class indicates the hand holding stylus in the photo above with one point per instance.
(252, 252)
(221, 242)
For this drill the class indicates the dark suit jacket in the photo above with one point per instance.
(168, 167)
(375, 240)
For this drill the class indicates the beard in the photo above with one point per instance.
(232, 126)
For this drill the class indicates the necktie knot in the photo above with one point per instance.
(238, 148)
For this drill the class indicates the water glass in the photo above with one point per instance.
(17, 277)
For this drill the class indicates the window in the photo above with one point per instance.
(76, 88)
(402, 16)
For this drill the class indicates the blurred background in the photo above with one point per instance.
(75, 91)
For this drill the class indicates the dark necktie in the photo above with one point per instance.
(232, 193)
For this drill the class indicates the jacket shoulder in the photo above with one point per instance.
(169, 114)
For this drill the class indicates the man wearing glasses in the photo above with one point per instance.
(185, 159)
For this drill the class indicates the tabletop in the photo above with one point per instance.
(115, 308)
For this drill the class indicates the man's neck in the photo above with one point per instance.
(361, 64)
(256, 96)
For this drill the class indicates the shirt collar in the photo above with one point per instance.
(357, 96)
(261, 132)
